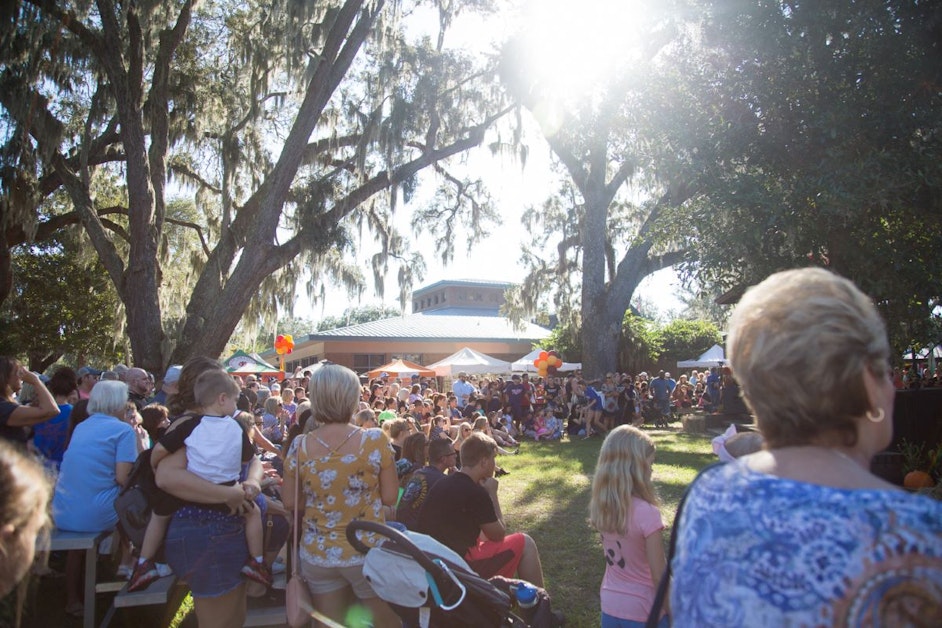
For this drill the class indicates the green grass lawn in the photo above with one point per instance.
(547, 495)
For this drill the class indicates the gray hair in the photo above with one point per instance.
(109, 398)
(799, 344)
(335, 394)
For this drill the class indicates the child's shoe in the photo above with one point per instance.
(258, 571)
(144, 574)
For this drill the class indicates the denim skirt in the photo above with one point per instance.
(207, 549)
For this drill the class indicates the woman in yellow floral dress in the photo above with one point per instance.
(346, 473)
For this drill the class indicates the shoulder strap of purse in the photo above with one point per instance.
(295, 520)
(655, 615)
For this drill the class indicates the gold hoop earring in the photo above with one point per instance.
(880, 415)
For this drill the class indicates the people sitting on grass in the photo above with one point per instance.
(482, 426)
(397, 430)
(553, 424)
(438, 429)
(441, 459)
(463, 511)
(413, 456)
(497, 431)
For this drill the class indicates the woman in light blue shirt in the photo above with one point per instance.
(95, 466)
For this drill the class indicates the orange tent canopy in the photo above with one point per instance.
(401, 367)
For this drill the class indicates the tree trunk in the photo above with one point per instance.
(599, 334)
(6, 269)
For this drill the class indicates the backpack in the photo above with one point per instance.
(132, 504)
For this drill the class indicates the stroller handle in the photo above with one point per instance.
(400, 539)
(395, 535)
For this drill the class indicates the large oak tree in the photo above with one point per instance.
(745, 137)
(296, 123)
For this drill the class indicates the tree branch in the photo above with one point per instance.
(316, 148)
(572, 164)
(67, 18)
(621, 175)
(185, 171)
(195, 227)
(84, 205)
(287, 251)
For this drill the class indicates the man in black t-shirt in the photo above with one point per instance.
(462, 507)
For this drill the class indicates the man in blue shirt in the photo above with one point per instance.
(660, 391)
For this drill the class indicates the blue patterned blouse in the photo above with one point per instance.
(758, 550)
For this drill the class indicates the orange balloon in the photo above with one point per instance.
(544, 355)
(541, 365)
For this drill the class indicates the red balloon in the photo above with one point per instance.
(543, 355)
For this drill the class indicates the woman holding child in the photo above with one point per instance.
(346, 473)
(802, 533)
(205, 546)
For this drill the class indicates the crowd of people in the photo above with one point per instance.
(227, 451)
(233, 457)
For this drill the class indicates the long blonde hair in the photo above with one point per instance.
(620, 474)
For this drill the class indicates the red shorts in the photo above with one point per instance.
(496, 558)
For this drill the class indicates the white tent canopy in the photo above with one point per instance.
(526, 363)
(469, 361)
(714, 356)
(922, 355)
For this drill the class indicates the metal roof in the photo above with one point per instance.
(470, 283)
(435, 326)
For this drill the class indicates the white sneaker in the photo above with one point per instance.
(124, 572)
(278, 566)
(163, 569)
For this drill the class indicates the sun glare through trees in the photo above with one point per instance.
(573, 53)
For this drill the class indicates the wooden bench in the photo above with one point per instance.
(89, 542)
(159, 592)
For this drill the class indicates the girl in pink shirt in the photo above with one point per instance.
(624, 510)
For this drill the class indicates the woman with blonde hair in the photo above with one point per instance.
(801, 533)
(623, 508)
(346, 473)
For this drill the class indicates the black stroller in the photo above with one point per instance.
(429, 585)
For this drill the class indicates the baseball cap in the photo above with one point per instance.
(386, 415)
(87, 370)
(173, 374)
